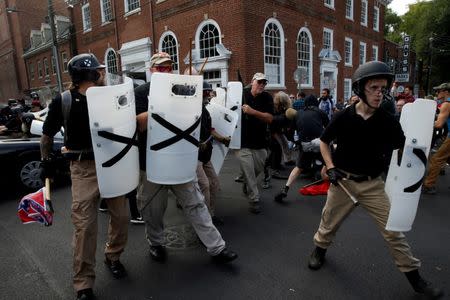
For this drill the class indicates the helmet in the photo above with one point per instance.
(83, 67)
(207, 86)
(34, 95)
(370, 70)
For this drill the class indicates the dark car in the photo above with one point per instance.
(20, 161)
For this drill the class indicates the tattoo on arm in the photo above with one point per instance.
(46, 146)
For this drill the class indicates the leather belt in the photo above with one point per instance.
(358, 178)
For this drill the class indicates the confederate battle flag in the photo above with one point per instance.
(33, 208)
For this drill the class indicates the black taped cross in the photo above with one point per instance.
(129, 142)
(179, 134)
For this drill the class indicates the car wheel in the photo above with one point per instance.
(30, 174)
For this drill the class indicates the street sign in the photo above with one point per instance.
(402, 77)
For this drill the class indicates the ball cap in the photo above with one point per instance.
(159, 58)
(443, 86)
(259, 76)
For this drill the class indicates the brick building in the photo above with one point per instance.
(322, 42)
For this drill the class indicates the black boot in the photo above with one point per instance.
(422, 286)
(317, 258)
(283, 194)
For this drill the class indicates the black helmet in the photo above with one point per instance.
(207, 86)
(83, 67)
(370, 70)
(34, 95)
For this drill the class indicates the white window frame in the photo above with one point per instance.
(199, 31)
(116, 60)
(330, 31)
(135, 10)
(174, 56)
(64, 61)
(364, 12)
(348, 63)
(349, 17)
(102, 9)
(361, 46)
(270, 83)
(376, 18)
(374, 52)
(39, 69)
(348, 81)
(87, 22)
(309, 83)
(330, 4)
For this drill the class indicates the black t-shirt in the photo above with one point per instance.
(310, 123)
(363, 146)
(205, 133)
(141, 99)
(254, 134)
(78, 133)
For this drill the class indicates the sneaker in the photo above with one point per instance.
(421, 286)
(225, 256)
(116, 268)
(278, 175)
(429, 190)
(158, 253)
(239, 178)
(266, 184)
(317, 258)
(85, 294)
(283, 194)
(255, 208)
(137, 220)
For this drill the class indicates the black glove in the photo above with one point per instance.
(226, 141)
(48, 167)
(334, 174)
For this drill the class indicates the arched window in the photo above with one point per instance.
(111, 61)
(304, 55)
(274, 52)
(168, 43)
(207, 37)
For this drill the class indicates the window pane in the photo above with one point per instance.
(169, 45)
(133, 4)
(304, 56)
(111, 62)
(272, 53)
(209, 38)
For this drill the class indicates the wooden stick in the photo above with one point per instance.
(203, 66)
(190, 56)
(313, 183)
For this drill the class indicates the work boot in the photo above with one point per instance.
(225, 256)
(158, 253)
(116, 268)
(317, 258)
(283, 194)
(422, 286)
(85, 294)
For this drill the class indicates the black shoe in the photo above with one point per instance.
(317, 258)
(239, 178)
(244, 189)
(116, 268)
(255, 208)
(158, 253)
(422, 286)
(225, 256)
(137, 220)
(86, 294)
(283, 194)
(217, 221)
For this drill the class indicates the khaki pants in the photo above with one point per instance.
(152, 202)
(373, 199)
(437, 161)
(86, 197)
(209, 184)
(252, 164)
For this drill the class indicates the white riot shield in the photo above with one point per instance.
(36, 129)
(112, 119)
(174, 116)
(404, 180)
(234, 102)
(224, 122)
(220, 97)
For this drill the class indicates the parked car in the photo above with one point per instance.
(20, 161)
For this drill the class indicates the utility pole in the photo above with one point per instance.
(51, 18)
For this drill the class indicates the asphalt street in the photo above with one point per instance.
(273, 248)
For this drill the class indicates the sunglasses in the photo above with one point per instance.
(262, 81)
(163, 68)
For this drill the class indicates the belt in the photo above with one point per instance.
(79, 155)
(357, 178)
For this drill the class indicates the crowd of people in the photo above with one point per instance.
(273, 131)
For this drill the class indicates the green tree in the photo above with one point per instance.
(392, 25)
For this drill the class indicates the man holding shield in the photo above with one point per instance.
(71, 111)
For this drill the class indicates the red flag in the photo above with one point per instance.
(33, 208)
(316, 189)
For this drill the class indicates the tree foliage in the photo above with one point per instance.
(392, 26)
